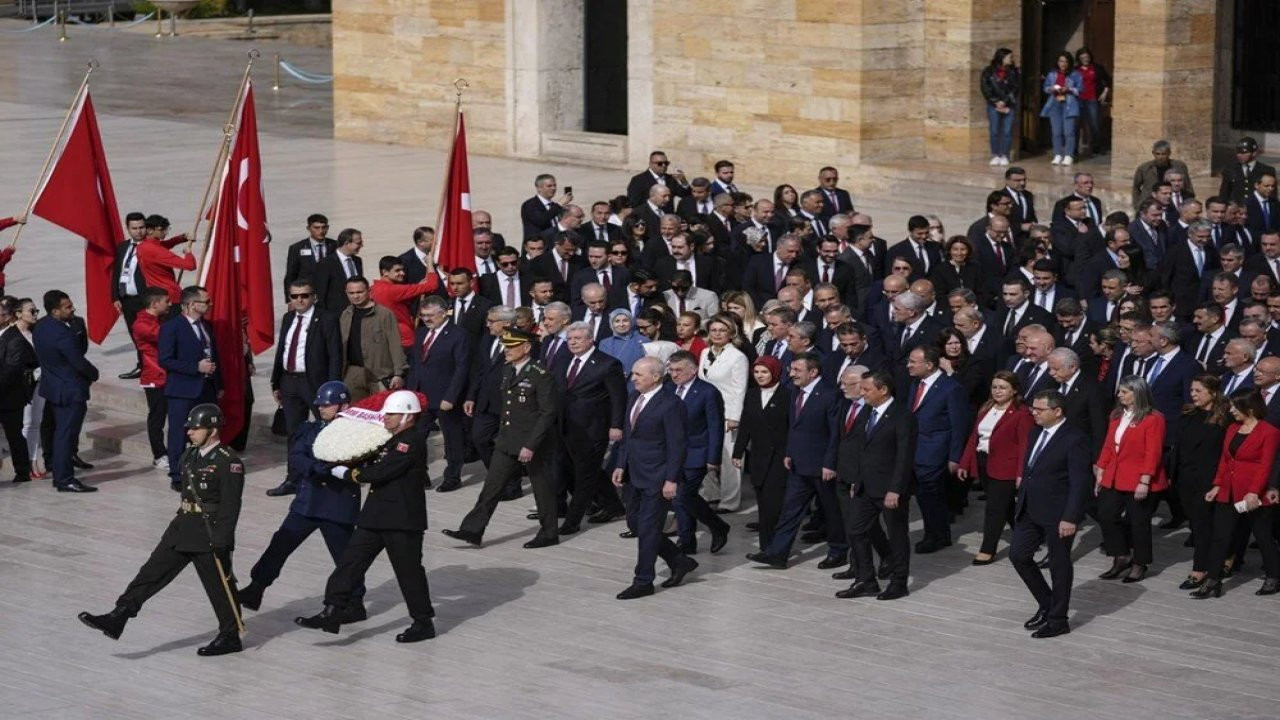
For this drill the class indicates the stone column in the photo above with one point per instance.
(1163, 82)
(960, 36)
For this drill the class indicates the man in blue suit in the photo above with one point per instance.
(1169, 373)
(811, 457)
(439, 363)
(189, 357)
(704, 415)
(1053, 493)
(65, 376)
(651, 461)
(942, 416)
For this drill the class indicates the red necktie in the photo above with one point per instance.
(606, 280)
(426, 344)
(681, 306)
(564, 269)
(635, 412)
(915, 405)
(799, 403)
(292, 365)
(851, 418)
(511, 291)
(826, 273)
(573, 372)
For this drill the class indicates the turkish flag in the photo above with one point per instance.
(77, 195)
(237, 268)
(454, 245)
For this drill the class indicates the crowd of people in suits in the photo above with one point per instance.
(686, 341)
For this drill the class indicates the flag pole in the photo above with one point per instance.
(459, 84)
(228, 130)
(31, 199)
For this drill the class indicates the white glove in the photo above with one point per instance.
(339, 471)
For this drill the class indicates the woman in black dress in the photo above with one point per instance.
(1193, 461)
(763, 432)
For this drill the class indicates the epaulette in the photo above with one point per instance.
(538, 369)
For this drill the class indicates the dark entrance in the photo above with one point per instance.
(1255, 72)
(1048, 28)
(605, 41)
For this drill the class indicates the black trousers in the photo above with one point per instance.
(771, 493)
(296, 394)
(1226, 522)
(164, 565)
(581, 474)
(404, 550)
(293, 531)
(800, 491)
(999, 510)
(504, 468)
(157, 412)
(450, 423)
(1118, 509)
(11, 421)
(691, 508)
(484, 429)
(646, 513)
(849, 511)
(130, 306)
(866, 513)
(1200, 513)
(1027, 537)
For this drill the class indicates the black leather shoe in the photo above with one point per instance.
(1191, 583)
(866, 588)
(1040, 619)
(884, 570)
(813, 525)
(541, 542)
(813, 537)
(627, 534)
(355, 613)
(848, 573)
(567, 529)
(513, 492)
(1189, 542)
(638, 590)
(719, 539)
(833, 561)
(22, 478)
(446, 486)
(427, 484)
(1210, 589)
(1172, 523)
(1049, 631)
(1137, 573)
(75, 486)
(533, 515)
(78, 463)
(420, 630)
(753, 526)
(224, 644)
(894, 591)
(251, 595)
(988, 561)
(133, 374)
(605, 516)
(469, 538)
(111, 624)
(175, 486)
(288, 487)
(327, 620)
(1270, 586)
(1043, 563)
(771, 561)
(1118, 566)
(689, 549)
(678, 573)
(930, 544)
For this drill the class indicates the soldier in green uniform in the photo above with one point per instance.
(202, 533)
(526, 435)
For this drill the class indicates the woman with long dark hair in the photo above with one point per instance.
(1193, 462)
(1001, 88)
(1062, 106)
(1095, 86)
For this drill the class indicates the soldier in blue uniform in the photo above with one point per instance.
(322, 503)
(202, 534)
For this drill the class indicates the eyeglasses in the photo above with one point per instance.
(1038, 410)
(663, 163)
(299, 296)
(619, 252)
(508, 263)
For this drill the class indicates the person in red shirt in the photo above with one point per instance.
(146, 333)
(7, 254)
(391, 292)
(157, 262)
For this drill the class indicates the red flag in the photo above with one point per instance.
(77, 195)
(454, 245)
(244, 173)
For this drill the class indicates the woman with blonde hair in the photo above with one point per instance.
(726, 367)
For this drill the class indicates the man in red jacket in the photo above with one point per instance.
(391, 292)
(7, 254)
(157, 262)
(146, 333)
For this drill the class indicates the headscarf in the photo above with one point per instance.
(625, 348)
(773, 365)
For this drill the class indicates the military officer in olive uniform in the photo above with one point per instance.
(526, 435)
(393, 518)
(202, 533)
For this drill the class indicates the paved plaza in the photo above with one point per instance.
(523, 633)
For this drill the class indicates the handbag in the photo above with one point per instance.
(277, 423)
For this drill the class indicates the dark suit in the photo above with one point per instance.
(759, 280)
(897, 352)
(654, 443)
(330, 282)
(322, 362)
(763, 431)
(1018, 214)
(300, 261)
(1031, 314)
(442, 377)
(994, 269)
(1089, 274)
(547, 267)
(638, 189)
(494, 287)
(618, 277)
(594, 403)
(811, 446)
(180, 353)
(843, 202)
(1235, 185)
(707, 272)
(1171, 389)
(1055, 488)
(484, 389)
(832, 362)
(130, 305)
(1153, 245)
(907, 249)
(65, 377)
(874, 463)
(1213, 357)
(472, 320)
(536, 217)
(415, 272)
(1074, 246)
(1093, 208)
(942, 418)
(18, 363)
(589, 233)
(704, 426)
(1180, 276)
(1086, 411)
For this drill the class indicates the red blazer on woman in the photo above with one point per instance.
(1138, 455)
(1007, 447)
(1250, 470)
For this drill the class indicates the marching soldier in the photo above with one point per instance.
(393, 518)
(322, 503)
(202, 533)
(526, 435)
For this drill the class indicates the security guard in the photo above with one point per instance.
(529, 415)
(322, 503)
(393, 518)
(202, 533)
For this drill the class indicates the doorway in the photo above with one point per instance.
(1048, 28)
(605, 53)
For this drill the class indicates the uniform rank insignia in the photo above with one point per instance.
(237, 468)
(402, 447)
(204, 486)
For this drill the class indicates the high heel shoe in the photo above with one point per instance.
(1137, 573)
(1118, 565)
(1191, 583)
(1270, 586)
(1211, 588)
(979, 561)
